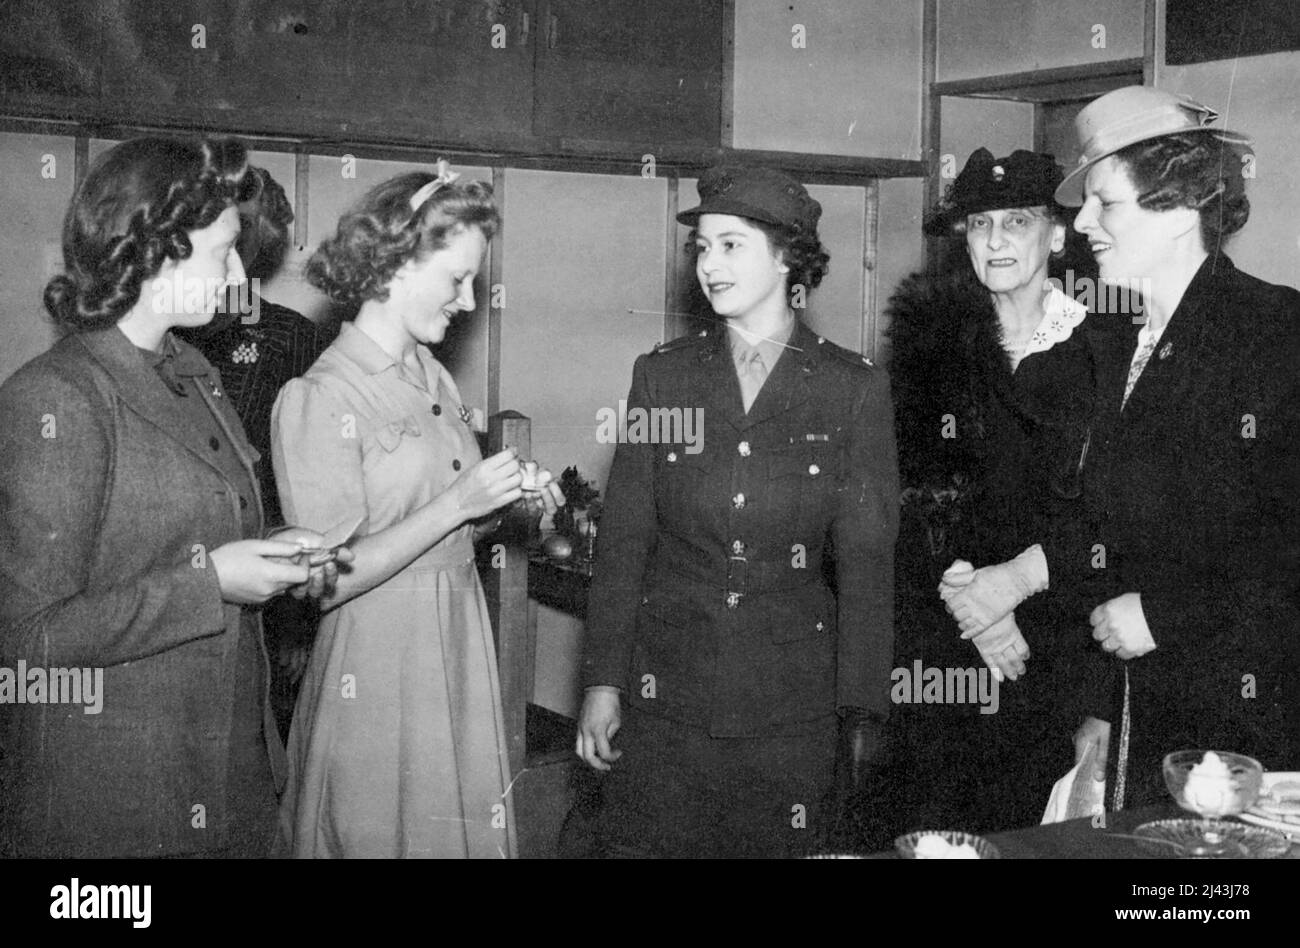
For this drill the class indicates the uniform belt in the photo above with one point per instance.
(736, 575)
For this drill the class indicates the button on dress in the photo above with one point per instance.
(398, 746)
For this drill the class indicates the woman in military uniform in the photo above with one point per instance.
(719, 666)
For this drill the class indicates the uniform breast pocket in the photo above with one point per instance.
(802, 479)
(685, 485)
(671, 659)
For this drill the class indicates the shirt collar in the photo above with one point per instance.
(1061, 315)
(770, 348)
(372, 358)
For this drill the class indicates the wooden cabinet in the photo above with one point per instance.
(455, 71)
(649, 73)
(515, 75)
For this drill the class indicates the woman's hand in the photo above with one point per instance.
(250, 572)
(1120, 626)
(491, 483)
(541, 490)
(991, 592)
(598, 722)
(1003, 648)
(322, 566)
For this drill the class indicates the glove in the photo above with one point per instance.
(979, 600)
(1003, 648)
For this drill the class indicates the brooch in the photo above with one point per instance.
(465, 415)
(245, 352)
(1166, 350)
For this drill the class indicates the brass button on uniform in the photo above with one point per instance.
(672, 457)
(737, 547)
(738, 501)
(743, 448)
(733, 600)
(814, 470)
(821, 626)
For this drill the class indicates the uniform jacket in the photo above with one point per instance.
(1192, 494)
(109, 508)
(709, 604)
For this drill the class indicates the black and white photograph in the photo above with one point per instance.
(698, 430)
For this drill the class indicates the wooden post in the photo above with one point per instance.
(514, 625)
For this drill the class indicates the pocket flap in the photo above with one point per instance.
(390, 435)
(796, 615)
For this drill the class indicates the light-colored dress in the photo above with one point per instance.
(397, 747)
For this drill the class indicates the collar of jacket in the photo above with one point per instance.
(788, 384)
(138, 385)
(1168, 377)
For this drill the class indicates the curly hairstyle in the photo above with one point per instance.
(381, 233)
(800, 249)
(266, 228)
(1197, 170)
(134, 212)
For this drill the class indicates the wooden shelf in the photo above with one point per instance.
(1066, 84)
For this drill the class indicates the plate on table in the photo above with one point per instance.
(1290, 830)
(1279, 798)
(1180, 837)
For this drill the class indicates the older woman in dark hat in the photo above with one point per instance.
(1185, 562)
(718, 662)
(992, 389)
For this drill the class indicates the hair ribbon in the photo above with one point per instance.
(445, 176)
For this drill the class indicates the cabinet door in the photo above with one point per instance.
(447, 70)
(639, 71)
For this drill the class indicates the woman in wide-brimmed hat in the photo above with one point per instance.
(1186, 560)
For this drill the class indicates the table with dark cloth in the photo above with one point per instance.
(1080, 839)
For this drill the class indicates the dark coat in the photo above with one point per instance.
(1013, 449)
(1006, 468)
(99, 568)
(752, 514)
(1192, 492)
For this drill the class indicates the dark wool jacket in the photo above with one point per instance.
(708, 581)
(106, 522)
(1192, 491)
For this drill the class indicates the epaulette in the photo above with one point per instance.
(844, 355)
(681, 342)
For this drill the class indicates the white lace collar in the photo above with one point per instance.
(1061, 315)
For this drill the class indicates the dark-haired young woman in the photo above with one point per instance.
(130, 556)
(719, 666)
(397, 747)
(1187, 555)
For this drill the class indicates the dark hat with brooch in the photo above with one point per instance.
(1022, 179)
(761, 194)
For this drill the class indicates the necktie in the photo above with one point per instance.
(752, 373)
